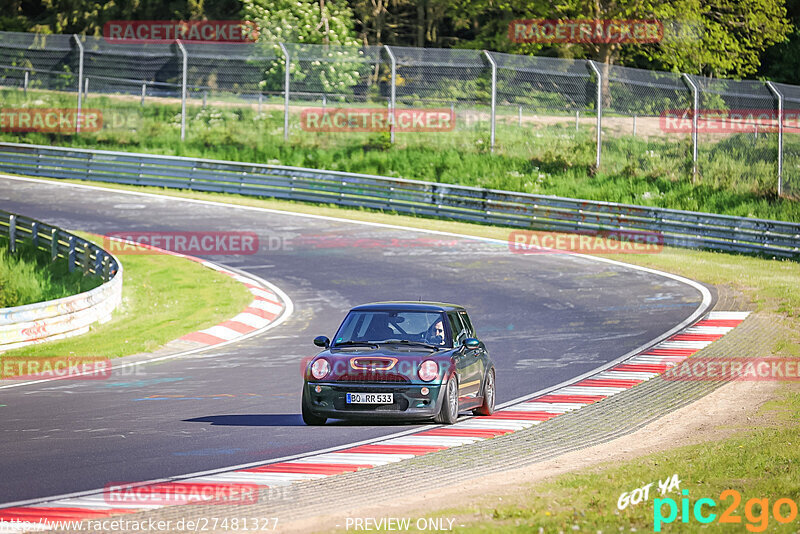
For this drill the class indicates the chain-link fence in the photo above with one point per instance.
(547, 110)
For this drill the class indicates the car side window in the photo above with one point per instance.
(467, 323)
(458, 329)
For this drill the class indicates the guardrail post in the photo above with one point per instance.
(599, 110)
(286, 81)
(98, 261)
(79, 118)
(12, 233)
(71, 254)
(106, 267)
(35, 234)
(779, 96)
(494, 95)
(86, 257)
(184, 68)
(53, 244)
(393, 92)
(695, 111)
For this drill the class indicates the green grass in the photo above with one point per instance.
(738, 173)
(163, 298)
(28, 276)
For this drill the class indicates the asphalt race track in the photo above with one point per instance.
(545, 318)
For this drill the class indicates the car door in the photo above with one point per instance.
(466, 361)
(482, 356)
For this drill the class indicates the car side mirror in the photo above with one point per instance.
(322, 341)
(472, 343)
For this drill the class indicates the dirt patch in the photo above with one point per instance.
(716, 416)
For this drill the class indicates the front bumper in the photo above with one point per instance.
(409, 402)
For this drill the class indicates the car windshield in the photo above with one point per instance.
(388, 326)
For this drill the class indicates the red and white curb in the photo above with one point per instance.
(263, 310)
(620, 377)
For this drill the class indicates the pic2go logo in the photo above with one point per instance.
(756, 511)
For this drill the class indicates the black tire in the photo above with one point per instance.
(489, 395)
(448, 411)
(309, 417)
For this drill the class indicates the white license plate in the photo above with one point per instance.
(370, 398)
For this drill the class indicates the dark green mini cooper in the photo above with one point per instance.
(400, 361)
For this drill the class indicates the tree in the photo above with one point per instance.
(724, 37)
(308, 22)
(301, 21)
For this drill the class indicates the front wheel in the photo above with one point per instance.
(309, 417)
(448, 411)
(487, 408)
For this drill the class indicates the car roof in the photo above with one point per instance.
(410, 305)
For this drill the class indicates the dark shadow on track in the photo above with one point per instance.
(289, 419)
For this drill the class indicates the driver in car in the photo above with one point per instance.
(436, 334)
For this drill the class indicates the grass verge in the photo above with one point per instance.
(163, 298)
(28, 276)
(543, 155)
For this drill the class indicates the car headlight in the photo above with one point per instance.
(320, 368)
(429, 370)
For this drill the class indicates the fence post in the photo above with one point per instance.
(86, 263)
(286, 81)
(393, 91)
(12, 233)
(144, 92)
(25, 83)
(695, 111)
(35, 234)
(79, 118)
(98, 262)
(779, 96)
(599, 110)
(185, 66)
(71, 254)
(53, 244)
(494, 94)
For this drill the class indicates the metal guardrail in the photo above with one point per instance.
(79, 253)
(521, 210)
(68, 316)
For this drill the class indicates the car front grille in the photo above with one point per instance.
(400, 405)
(378, 376)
